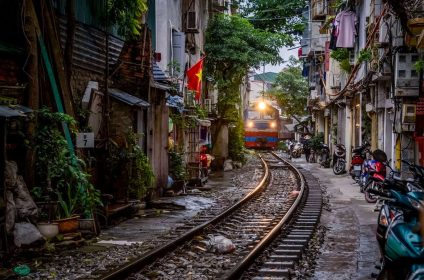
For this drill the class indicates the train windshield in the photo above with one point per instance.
(269, 115)
(254, 115)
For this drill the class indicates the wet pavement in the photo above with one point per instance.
(148, 223)
(350, 249)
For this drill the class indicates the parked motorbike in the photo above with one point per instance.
(324, 156)
(401, 245)
(297, 150)
(373, 174)
(359, 154)
(339, 159)
(397, 229)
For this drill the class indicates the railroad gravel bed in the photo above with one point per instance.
(244, 228)
(89, 260)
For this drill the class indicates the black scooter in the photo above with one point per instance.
(339, 159)
(325, 156)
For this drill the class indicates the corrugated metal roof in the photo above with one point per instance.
(14, 111)
(159, 74)
(90, 47)
(127, 98)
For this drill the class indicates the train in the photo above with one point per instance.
(262, 126)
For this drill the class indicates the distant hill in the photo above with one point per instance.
(267, 77)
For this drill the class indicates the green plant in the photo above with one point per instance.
(364, 55)
(327, 23)
(236, 142)
(340, 54)
(337, 4)
(141, 175)
(345, 65)
(316, 141)
(51, 150)
(177, 168)
(419, 65)
(61, 172)
(200, 112)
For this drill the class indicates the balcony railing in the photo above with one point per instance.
(319, 9)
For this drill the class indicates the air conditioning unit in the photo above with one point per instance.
(208, 105)
(409, 112)
(189, 99)
(406, 77)
(314, 94)
(390, 28)
(191, 22)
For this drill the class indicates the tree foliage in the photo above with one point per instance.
(233, 46)
(126, 14)
(279, 16)
(291, 89)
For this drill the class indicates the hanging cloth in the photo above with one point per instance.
(346, 31)
(333, 37)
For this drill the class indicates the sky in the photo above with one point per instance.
(285, 54)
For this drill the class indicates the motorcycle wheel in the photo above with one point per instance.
(370, 198)
(339, 167)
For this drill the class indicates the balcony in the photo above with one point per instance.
(319, 9)
(219, 5)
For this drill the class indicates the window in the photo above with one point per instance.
(269, 115)
(253, 115)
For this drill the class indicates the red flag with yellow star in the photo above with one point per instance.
(194, 78)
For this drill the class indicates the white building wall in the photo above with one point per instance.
(168, 17)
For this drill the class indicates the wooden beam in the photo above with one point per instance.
(52, 36)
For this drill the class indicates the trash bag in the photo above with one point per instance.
(228, 165)
(10, 212)
(26, 234)
(219, 244)
(25, 205)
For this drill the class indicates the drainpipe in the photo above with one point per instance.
(348, 134)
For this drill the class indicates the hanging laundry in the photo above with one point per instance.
(333, 37)
(346, 31)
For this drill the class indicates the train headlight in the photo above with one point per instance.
(273, 124)
(250, 124)
(262, 106)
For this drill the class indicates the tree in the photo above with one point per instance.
(282, 17)
(291, 90)
(233, 46)
(126, 14)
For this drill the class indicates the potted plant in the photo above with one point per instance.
(61, 172)
(47, 209)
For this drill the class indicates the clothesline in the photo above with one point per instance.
(356, 66)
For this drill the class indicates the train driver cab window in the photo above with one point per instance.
(254, 115)
(269, 115)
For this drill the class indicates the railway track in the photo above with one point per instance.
(270, 210)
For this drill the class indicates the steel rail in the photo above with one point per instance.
(238, 270)
(136, 265)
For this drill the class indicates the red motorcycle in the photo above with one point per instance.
(377, 175)
(359, 154)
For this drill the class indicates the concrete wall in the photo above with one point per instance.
(168, 17)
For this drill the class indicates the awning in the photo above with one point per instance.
(175, 101)
(13, 111)
(160, 86)
(127, 98)
(158, 74)
(203, 122)
(290, 127)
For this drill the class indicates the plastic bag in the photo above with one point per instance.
(220, 244)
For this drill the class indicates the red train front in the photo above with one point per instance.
(261, 127)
